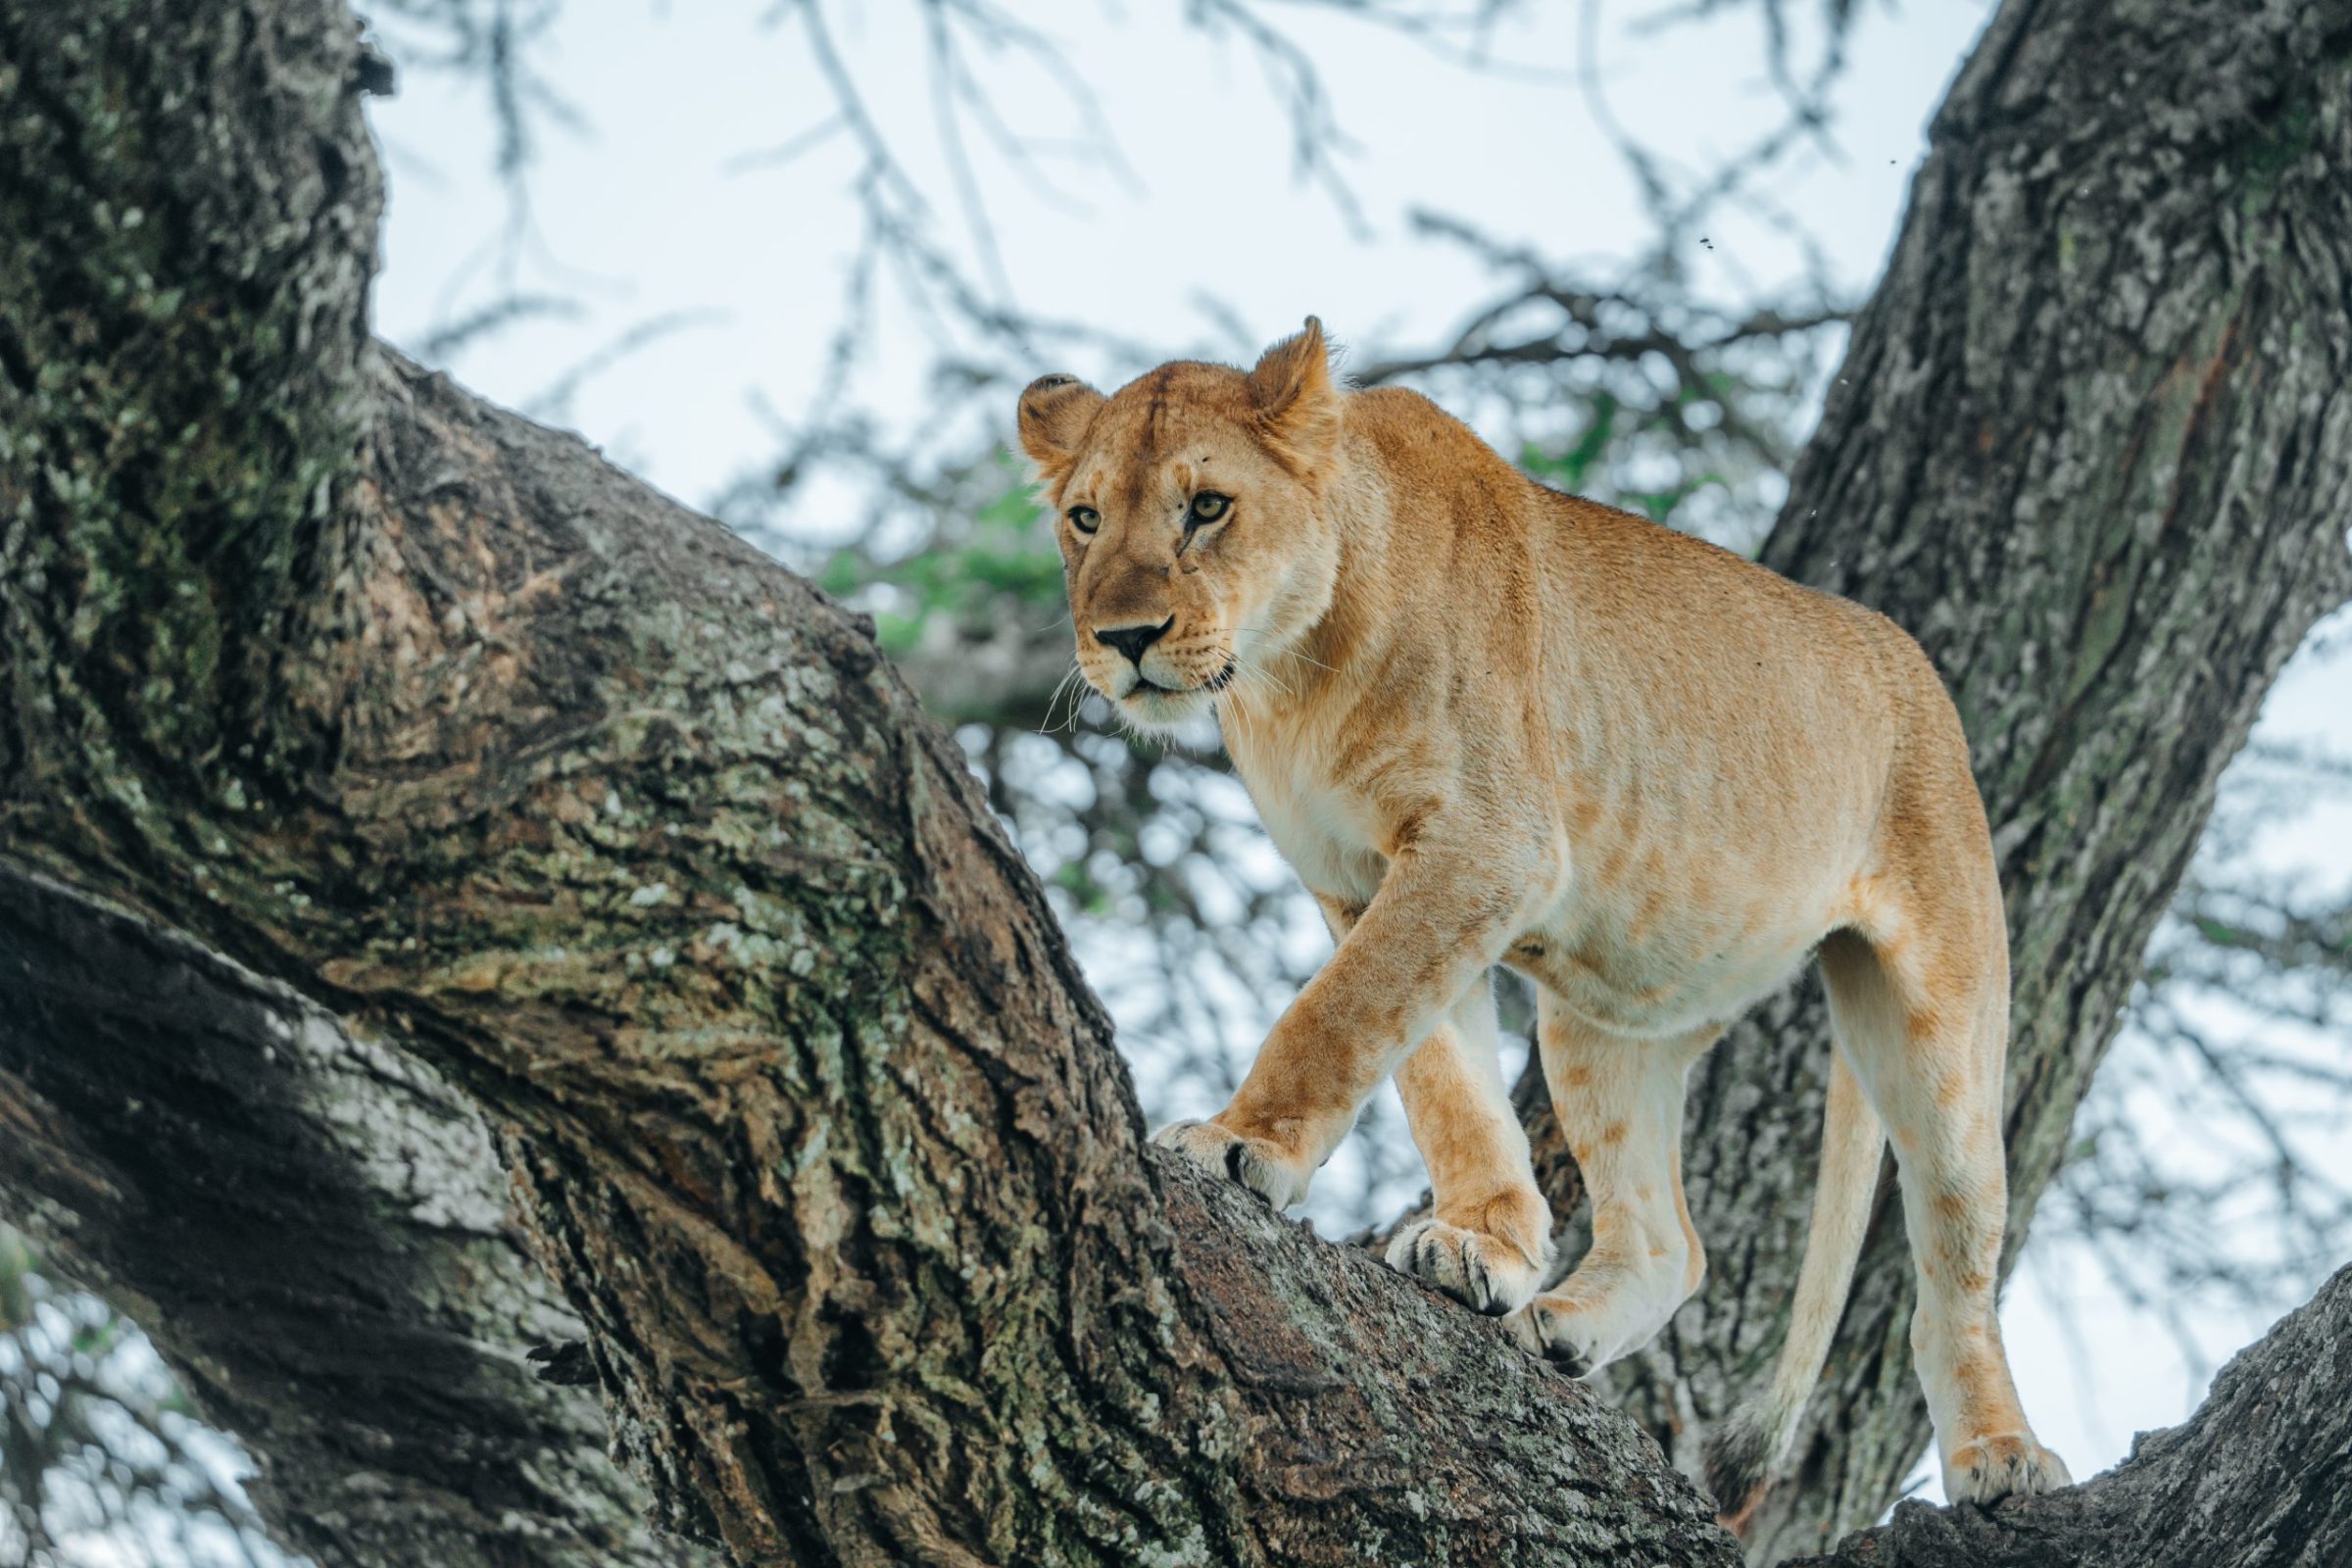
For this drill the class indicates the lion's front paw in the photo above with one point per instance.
(2004, 1466)
(1261, 1166)
(1482, 1272)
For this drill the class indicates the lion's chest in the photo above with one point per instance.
(1325, 833)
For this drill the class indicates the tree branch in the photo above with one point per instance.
(2261, 1475)
(314, 1226)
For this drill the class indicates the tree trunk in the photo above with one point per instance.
(399, 806)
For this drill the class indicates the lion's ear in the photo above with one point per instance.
(1055, 411)
(1296, 402)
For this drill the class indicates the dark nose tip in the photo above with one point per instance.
(1133, 639)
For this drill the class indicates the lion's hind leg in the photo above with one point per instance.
(1620, 1106)
(1923, 1021)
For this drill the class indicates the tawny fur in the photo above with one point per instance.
(1491, 723)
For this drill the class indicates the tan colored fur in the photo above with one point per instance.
(1489, 724)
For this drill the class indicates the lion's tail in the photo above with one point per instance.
(1742, 1453)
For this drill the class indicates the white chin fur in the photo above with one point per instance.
(1162, 712)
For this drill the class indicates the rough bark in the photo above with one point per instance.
(313, 1225)
(361, 744)
(2260, 1477)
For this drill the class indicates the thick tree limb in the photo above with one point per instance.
(2260, 1477)
(315, 1227)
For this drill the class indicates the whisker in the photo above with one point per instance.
(1271, 681)
(1293, 652)
(1287, 652)
(1078, 694)
(1045, 724)
(1261, 681)
(1073, 678)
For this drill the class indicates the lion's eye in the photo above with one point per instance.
(1086, 520)
(1207, 506)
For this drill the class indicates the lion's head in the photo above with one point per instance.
(1189, 505)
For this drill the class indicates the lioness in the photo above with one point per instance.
(1488, 723)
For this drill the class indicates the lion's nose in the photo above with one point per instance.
(1133, 639)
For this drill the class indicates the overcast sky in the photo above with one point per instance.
(658, 204)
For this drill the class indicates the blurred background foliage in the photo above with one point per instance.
(2194, 1177)
(101, 1457)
